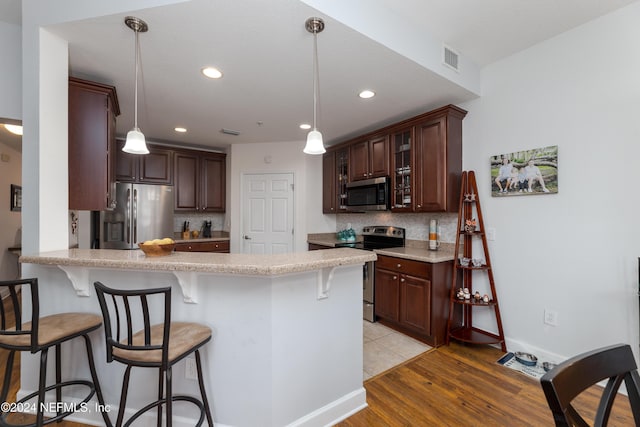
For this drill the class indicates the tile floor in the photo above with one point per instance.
(385, 348)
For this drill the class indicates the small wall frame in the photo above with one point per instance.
(16, 198)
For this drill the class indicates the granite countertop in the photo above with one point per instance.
(416, 250)
(328, 239)
(204, 262)
(423, 254)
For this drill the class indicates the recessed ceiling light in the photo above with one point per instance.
(179, 129)
(366, 94)
(305, 126)
(212, 73)
(15, 129)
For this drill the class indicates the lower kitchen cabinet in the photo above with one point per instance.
(221, 246)
(412, 297)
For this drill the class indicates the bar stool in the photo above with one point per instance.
(39, 335)
(160, 345)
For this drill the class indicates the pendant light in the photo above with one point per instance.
(314, 137)
(135, 143)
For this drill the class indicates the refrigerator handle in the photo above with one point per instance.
(135, 215)
(128, 216)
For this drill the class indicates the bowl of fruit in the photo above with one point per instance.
(157, 247)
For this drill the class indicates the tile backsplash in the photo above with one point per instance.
(197, 219)
(416, 224)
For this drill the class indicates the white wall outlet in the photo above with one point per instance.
(550, 317)
(491, 233)
(190, 370)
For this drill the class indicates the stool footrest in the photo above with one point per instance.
(57, 417)
(175, 398)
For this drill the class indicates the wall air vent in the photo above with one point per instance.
(230, 132)
(450, 58)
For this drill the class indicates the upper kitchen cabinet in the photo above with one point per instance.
(369, 158)
(335, 167)
(402, 165)
(93, 108)
(438, 160)
(200, 181)
(153, 168)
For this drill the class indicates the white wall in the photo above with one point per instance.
(10, 71)
(10, 232)
(283, 157)
(575, 252)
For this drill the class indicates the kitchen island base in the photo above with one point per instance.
(282, 353)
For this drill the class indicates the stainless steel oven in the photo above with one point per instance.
(376, 237)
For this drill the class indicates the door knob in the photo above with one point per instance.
(247, 237)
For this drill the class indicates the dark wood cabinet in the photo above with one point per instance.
(335, 167)
(387, 294)
(153, 168)
(369, 158)
(200, 181)
(93, 108)
(422, 155)
(402, 166)
(438, 160)
(220, 246)
(413, 297)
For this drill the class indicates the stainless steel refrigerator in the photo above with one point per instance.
(142, 212)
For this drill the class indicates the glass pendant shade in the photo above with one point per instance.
(135, 143)
(314, 143)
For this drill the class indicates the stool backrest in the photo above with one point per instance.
(11, 324)
(570, 378)
(129, 312)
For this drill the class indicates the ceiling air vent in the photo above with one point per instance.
(450, 58)
(230, 132)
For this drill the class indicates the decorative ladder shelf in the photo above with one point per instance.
(463, 272)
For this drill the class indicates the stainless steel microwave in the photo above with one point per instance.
(369, 195)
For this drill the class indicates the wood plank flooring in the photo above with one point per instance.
(455, 385)
(460, 385)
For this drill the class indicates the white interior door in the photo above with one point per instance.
(267, 213)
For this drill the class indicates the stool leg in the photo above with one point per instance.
(169, 397)
(160, 394)
(203, 393)
(123, 396)
(42, 385)
(58, 377)
(8, 370)
(96, 383)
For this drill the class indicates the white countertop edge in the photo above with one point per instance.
(245, 264)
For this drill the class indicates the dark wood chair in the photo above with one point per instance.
(133, 340)
(570, 378)
(37, 336)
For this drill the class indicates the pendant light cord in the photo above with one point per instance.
(315, 77)
(135, 96)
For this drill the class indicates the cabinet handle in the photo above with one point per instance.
(402, 280)
(217, 246)
(395, 277)
(399, 265)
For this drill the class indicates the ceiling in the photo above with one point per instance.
(266, 57)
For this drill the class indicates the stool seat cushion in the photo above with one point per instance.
(54, 328)
(183, 338)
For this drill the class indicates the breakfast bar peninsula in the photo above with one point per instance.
(287, 329)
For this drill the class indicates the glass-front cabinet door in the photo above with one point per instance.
(403, 144)
(342, 170)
